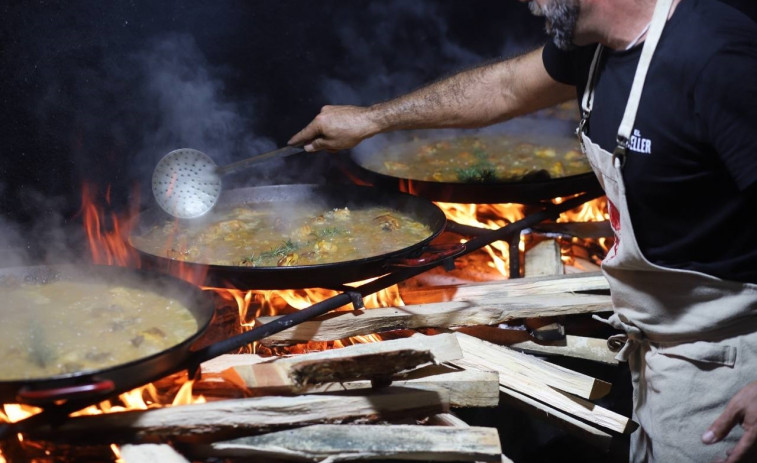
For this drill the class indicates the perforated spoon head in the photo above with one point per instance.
(186, 183)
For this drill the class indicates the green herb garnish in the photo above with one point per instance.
(477, 174)
(287, 247)
(327, 233)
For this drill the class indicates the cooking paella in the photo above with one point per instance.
(65, 327)
(296, 235)
(481, 159)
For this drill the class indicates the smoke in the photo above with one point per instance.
(98, 92)
(190, 109)
(403, 45)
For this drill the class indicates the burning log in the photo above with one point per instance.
(544, 382)
(487, 310)
(232, 418)
(362, 442)
(487, 303)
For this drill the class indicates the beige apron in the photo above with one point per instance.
(691, 338)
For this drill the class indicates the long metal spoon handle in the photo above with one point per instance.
(279, 153)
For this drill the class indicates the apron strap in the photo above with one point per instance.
(587, 101)
(659, 18)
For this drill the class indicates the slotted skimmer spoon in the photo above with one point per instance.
(186, 183)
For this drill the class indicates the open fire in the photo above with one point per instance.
(106, 232)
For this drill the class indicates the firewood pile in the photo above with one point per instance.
(389, 400)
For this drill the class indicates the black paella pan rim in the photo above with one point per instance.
(533, 188)
(327, 275)
(117, 378)
(522, 192)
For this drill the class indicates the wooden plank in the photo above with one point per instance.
(144, 453)
(502, 289)
(544, 259)
(501, 358)
(487, 311)
(377, 361)
(582, 347)
(231, 418)
(466, 388)
(587, 348)
(296, 377)
(222, 363)
(448, 419)
(560, 419)
(361, 442)
(554, 398)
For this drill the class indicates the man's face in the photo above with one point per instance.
(561, 16)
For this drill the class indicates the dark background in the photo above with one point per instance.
(97, 92)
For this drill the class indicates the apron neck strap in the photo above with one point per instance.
(659, 18)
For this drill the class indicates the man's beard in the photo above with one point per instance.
(561, 16)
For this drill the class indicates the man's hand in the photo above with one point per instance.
(742, 409)
(336, 128)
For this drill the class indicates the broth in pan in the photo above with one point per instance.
(66, 327)
(263, 235)
(480, 159)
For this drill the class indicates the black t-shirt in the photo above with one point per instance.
(691, 175)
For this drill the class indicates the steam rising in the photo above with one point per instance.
(99, 92)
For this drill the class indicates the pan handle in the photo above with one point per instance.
(432, 255)
(41, 396)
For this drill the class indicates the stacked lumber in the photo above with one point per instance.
(364, 401)
(386, 400)
(559, 394)
(475, 304)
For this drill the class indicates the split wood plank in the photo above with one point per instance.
(486, 311)
(500, 289)
(218, 365)
(142, 453)
(544, 259)
(466, 388)
(377, 361)
(501, 358)
(569, 424)
(582, 347)
(448, 419)
(587, 348)
(568, 403)
(226, 419)
(365, 442)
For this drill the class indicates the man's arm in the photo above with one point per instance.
(474, 98)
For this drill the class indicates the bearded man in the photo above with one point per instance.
(668, 97)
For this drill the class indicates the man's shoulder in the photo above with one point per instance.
(567, 66)
(711, 23)
(703, 29)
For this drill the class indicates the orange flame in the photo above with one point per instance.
(107, 247)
